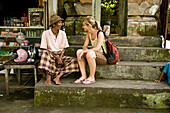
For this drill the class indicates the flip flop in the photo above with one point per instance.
(86, 81)
(80, 81)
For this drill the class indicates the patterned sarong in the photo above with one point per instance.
(48, 64)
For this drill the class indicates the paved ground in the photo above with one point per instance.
(21, 101)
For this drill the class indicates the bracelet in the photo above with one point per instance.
(84, 46)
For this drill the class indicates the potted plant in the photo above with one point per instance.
(108, 10)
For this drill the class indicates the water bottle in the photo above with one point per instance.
(163, 41)
(5, 21)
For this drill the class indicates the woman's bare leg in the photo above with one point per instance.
(48, 79)
(82, 65)
(91, 56)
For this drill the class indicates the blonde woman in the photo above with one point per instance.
(93, 55)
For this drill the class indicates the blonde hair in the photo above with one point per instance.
(90, 21)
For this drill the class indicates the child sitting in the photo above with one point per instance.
(167, 71)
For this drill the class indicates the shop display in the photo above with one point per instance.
(20, 38)
(35, 16)
(18, 22)
(20, 27)
(12, 37)
(2, 52)
(27, 31)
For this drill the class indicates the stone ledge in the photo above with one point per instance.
(103, 94)
(150, 54)
(138, 41)
(131, 70)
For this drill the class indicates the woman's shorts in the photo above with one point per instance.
(100, 59)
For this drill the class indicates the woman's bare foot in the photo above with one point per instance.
(57, 80)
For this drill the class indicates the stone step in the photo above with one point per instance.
(144, 54)
(134, 41)
(148, 71)
(103, 94)
(134, 53)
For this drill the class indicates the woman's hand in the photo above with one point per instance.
(81, 54)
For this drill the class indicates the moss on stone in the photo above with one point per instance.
(157, 100)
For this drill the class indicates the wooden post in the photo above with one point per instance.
(7, 81)
(96, 12)
(166, 22)
(122, 19)
(46, 18)
(35, 75)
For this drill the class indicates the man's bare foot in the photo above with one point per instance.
(47, 82)
(48, 79)
(57, 80)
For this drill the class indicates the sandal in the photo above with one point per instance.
(86, 81)
(78, 81)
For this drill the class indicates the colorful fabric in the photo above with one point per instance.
(53, 43)
(48, 64)
(167, 71)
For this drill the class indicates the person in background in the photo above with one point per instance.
(166, 70)
(95, 54)
(53, 62)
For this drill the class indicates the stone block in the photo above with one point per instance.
(104, 94)
(146, 26)
(83, 9)
(143, 6)
(78, 26)
(134, 41)
(133, 9)
(131, 70)
(70, 10)
(70, 25)
(86, 1)
(156, 2)
(148, 54)
(144, 54)
(135, 1)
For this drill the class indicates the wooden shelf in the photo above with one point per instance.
(16, 37)
(10, 27)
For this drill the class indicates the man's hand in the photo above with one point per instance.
(57, 59)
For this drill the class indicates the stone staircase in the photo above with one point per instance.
(128, 84)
